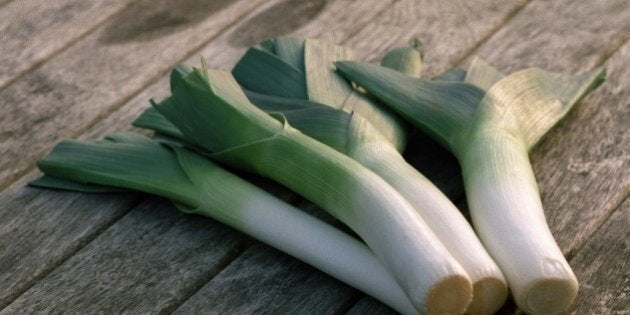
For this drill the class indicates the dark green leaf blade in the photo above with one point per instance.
(263, 72)
(124, 160)
(440, 108)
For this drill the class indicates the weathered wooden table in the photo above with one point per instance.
(83, 69)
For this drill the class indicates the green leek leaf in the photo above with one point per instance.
(123, 160)
(440, 108)
(264, 72)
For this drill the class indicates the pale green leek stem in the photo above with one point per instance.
(504, 200)
(444, 219)
(274, 222)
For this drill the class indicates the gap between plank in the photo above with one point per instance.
(603, 222)
(229, 258)
(613, 49)
(493, 31)
(358, 29)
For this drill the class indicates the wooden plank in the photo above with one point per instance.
(97, 74)
(224, 51)
(559, 36)
(265, 281)
(147, 278)
(604, 269)
(331, 21)
(448, 30)
(33, 31)
(40, 229)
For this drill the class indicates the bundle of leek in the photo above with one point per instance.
(490, 122)
(209, 110)
(198, 186)
(295, 77)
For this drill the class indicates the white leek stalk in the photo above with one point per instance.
(198, 186)
(211, 111)
(359, 137)
(491, 132)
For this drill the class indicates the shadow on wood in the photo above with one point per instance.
(146, 20)
(273, 22)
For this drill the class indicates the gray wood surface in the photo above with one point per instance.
(91, 78)
(265, 281)
(40, 229)
(605, 268)
(32, 31)
(67, 252)
(127, 269)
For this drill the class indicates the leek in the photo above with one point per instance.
(355, 125)
(198, 186)
(211, 111)
(490, 122)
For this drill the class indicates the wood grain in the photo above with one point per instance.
(265, 281)
(604, 269)
(448, 30)
(561, 36)
(127, 269)
(40, 229)
(90, 79)
(32, 31)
